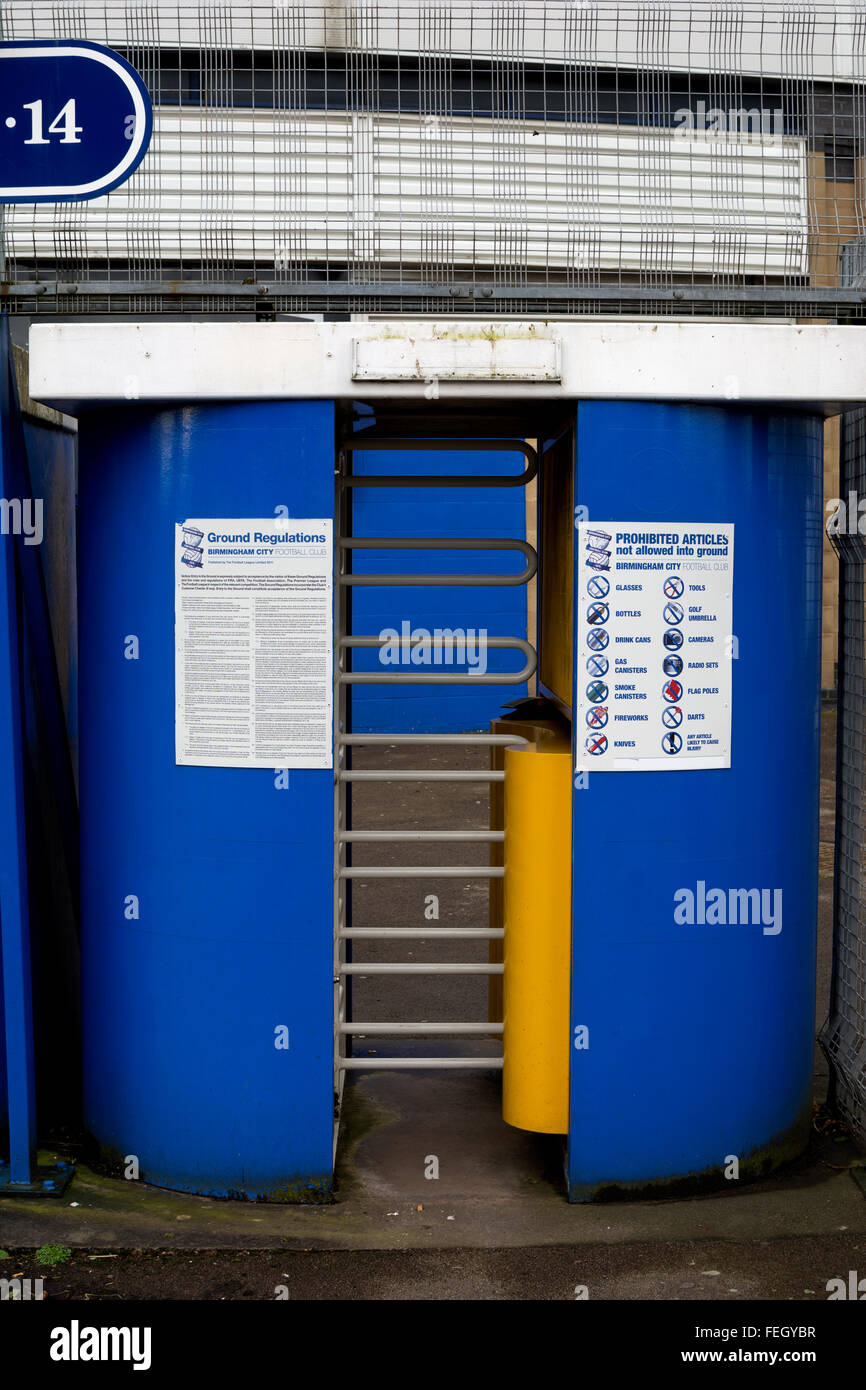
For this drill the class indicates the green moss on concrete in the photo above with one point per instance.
(754, 1166)
(360, 1117)
(109, 1162)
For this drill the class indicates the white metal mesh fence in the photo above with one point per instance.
(433, 154)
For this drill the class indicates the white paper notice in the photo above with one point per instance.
(253, 642)
(653, 637)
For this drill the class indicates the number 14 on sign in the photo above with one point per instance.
(62, 125)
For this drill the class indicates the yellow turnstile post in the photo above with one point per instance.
(537, 936)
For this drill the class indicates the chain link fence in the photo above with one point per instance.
(433, 155)
(843, 1036)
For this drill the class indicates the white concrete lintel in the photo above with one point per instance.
(74, 365)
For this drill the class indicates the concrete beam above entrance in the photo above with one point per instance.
(77, 365)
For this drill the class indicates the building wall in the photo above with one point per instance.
(835, 198)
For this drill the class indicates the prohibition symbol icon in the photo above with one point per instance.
(597, 665)
(672, 691)
(597, 613)
(672, 743)
(673, 613)
(672, 665)
(596, 691)
(596, 744)
(597, 639)
(672, 717)
(673, 638)
(596, 717)
(673, 586)
(598, 586)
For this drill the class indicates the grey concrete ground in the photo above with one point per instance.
(495, 1223)
(796, 1270)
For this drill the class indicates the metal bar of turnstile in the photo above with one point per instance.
(419, 775)
(424, 871)
(393, 1029)
(427, 581)
(366, 443)
(424, 933)
(395, 836)
(344, 740)
(421, 968)
(458, 740)
(445, 678)
(420, 1063)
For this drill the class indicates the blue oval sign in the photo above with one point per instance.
(75, 121)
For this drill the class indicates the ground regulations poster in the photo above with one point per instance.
(254, 642)
(654, 646)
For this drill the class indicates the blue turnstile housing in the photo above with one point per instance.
(701, 1037)
(233, 874)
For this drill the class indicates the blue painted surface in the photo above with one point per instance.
(93, 147)
(4, 1110)
(234, 876)
(701, 1037)
(51, 460)
(437, 512)
(19, 1074)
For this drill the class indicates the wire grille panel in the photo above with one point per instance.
(357, 154)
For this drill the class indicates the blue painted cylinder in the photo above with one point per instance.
(701, 1037)
(4, 1110)
(229, 874)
